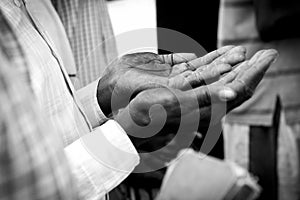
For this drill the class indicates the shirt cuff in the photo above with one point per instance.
(88, 99)
(101, 160)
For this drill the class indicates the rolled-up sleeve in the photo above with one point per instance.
(88, 98)
(101, 160)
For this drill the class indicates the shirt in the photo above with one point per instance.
(237, 26)
(32, 159)
(90, 33)
(74, 114)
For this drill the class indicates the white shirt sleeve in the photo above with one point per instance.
(88, 98)
(101, 160)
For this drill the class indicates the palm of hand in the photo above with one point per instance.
(177, 103)
(134, 73)
(234, 88)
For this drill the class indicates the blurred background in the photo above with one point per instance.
(128, 15)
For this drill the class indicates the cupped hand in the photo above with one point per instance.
(150, 107)
(158, 146)
(134, 73)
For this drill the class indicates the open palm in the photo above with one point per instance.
(133, 73)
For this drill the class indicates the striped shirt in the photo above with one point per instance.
(32, 159)
(72, 114)
(90, 33)
(237, 25)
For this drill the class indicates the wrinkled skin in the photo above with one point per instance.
(231, 87)
(133, 73)
(234, 88)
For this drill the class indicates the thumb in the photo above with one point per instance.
(227, 94)
(206, 95)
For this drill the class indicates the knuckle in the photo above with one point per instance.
(206, 97)
(189, 66)
(199, 77)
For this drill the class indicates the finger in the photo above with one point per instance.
(229, 77)
(239, 69)
(139, 58)
(256, 56)
(200, 62)
(207, 75)
(183, 57)
(179, 68)
(206, 95)
(259, 66)
(246, 82)
(177, 58)
(233, 56)
(208, 58)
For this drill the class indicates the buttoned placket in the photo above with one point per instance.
(50, 45)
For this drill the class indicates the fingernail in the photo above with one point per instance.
(274, 60)
(242, 49)
(227, 94)
(241, 57)
(273, 52)
(276, 55)
(272, 56)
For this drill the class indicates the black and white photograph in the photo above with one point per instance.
(149, 100)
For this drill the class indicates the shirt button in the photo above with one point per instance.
(18, 3)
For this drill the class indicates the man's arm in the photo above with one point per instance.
(101, 160)
(89, 95)
(88, 98)
(33, 157)
(136, 72)
(33, 164)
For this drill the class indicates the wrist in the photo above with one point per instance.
(124, 119)
(104, 98)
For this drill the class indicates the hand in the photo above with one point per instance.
(142, 116)
(243, 80)
(134, 73)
